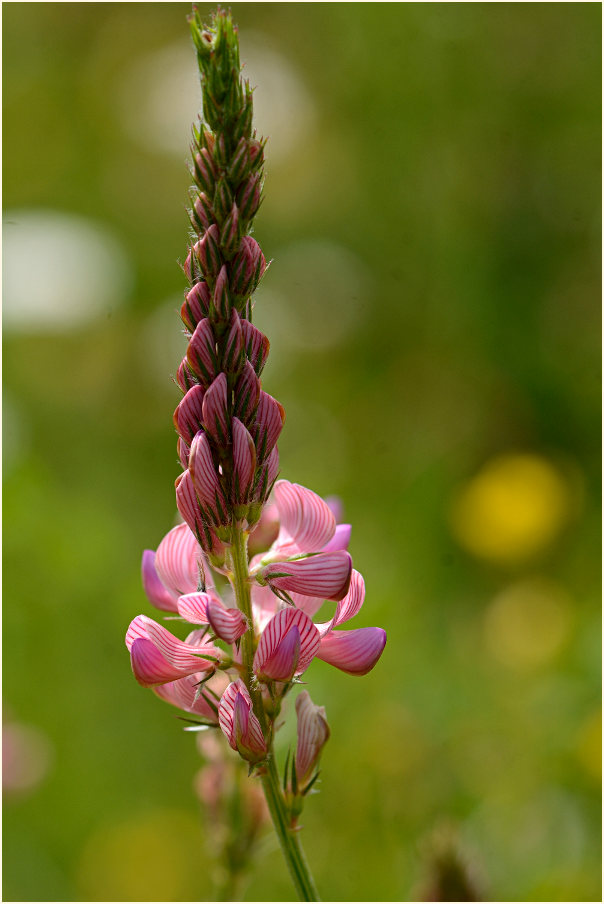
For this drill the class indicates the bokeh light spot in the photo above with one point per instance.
(61, 271)
(527, 624)
(513, 509)
(152, 857)
(589, 745)
(26, 757)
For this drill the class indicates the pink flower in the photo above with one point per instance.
(313, 734)
(208, 609)
(176, 568)
(287, 646)
(239, 724)
(325, 575)
(158, 657)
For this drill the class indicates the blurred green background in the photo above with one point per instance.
(432, 211)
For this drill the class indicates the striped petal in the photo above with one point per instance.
(179, 561)
(157, 594)
(158, 657)
(313, 733)
(244, 462)
(239, 724)
(188, 416)
(215, 410)
(287, 646)
(233, 347)
(268, 474)
(189, 508)
(196, 305)
(340, 539)
(247, 393)
(305, 517)
(207, 609)
(264, 605)
(348, 607)
(181, 693)
(326, 575)
(268, 424)
(185, 376)
(201, 352)
(256, 346)
(354, 652)
(205, 480)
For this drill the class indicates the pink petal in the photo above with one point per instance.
(185, 376)
(282, 664)
(201, 352)
(264, 605)
(256, 346)
(190, 510)
(243, 734)
(308, 604)
(355, 652)
(268, 473)
(205, 480)
(179, 561)
(181, 693)
(215, 410)
(348, 607)
(244, 461)
(326, 575)
(188, 416)
(196, 305)
(157, 656)
(340, 539)
(275, 633)
(305, 517)
(233, 348)
(157, 594)
(207, 609)
(313, 732)
(268, 424)
(247, 393)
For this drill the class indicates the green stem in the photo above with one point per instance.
(289, 838)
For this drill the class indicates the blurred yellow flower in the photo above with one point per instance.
(527, 624)
(513, 509)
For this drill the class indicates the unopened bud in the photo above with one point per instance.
(195, 306)
(313, 734)
(205, 172)
(229, 234)
(248, 197)
(248, 266)
(202, 213)
(239, 162)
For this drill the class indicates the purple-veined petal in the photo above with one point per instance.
(239, 724)
(157, 594)
(256, 346)
(267, 664)
(181, 693)
(188, 416)
(178, 560)
(233, 347)
(268, 424)
(201, 352)
(247, 393)
(340, 539)
(207, 609)
(215, 410)
(205, 479)
(264, 605)
(244, 461)
(304, 516)
(308, 604)
(313, 733)
(347, 607)
(355, 652)
(185, 376)
(189, 508)
(196, 305)
(220, 297)
(326, 575)
(268, 473)
(157, 656)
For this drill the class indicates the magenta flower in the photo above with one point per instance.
(227, 432)
(239, 724)
(158, 657)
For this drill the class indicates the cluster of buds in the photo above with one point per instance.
(227, 425)
(250, 642)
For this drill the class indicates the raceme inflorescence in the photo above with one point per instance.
(252, 634)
